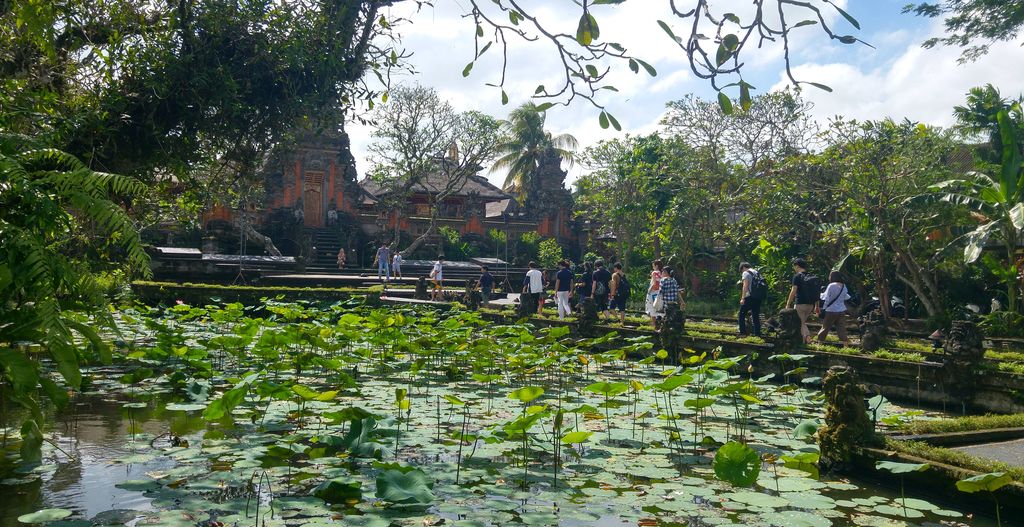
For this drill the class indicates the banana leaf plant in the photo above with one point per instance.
(996, 199)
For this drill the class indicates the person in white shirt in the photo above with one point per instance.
(533, 286)
(396, 265)
(436, 276)
(833, 303)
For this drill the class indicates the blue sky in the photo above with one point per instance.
(896, 79)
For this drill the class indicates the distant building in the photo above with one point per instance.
(314, 205)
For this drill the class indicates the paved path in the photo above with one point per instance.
(1009, 452)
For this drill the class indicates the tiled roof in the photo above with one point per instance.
(434, 182)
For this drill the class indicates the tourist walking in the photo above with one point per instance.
(620, 289)
(652, 292)
(833, 302)
(396, 264)
(585, 286)
(533, 286)
(341, 259)
(669, 290)
(805, 292)
(382, 260)
(600, 280)
(486, 285)
(563, 289)
(437, 277)
(750, 299)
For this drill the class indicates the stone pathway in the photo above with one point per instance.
(1009, 452)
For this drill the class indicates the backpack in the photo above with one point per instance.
(758, 287)
(812, 286)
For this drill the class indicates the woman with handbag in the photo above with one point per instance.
(833, 302)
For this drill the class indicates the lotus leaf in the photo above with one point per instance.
(405, 487)
(990, 482)
(339, 490)
(901, 468)
(806, 429)
(44, 516)
(737, 464)
(608, 389)
(573, 438)
(526, 393)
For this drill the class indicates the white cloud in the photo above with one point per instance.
(918, 84)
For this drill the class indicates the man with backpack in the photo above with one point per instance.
(620, 289)
(754, 291)
(806, 293)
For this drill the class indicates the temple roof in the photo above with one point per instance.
(434, 182)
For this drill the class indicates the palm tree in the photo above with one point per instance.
(978, 116)
(525, 146)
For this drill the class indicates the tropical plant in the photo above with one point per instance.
(996, 198)
(56, 216)
(528, 146)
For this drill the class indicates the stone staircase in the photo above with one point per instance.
(327, 243)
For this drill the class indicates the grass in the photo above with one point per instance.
(1011, 367)
(964, 424)
(1008, 356)
(954, 457)
(899, 355)
(913, 345)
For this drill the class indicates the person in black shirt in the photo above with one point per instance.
(486, 283)
(563, 289)
(600, 287)
(586, 283)
(805, 292)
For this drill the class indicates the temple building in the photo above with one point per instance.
(314, 204)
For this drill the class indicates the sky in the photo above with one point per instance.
(894, 77)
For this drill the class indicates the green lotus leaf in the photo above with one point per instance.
(758, 499)
(795, 519)
(139, 484)
(806, 429)
(901, 468)
(526, 393)
(179, 407)
(608, 389)
(409, 487)
(44, 516)
(737, 464)
(339, 490)
(573, 438)
(990, 482)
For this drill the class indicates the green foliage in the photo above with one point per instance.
(964, 424)
(527, 146)
(969, 21)
(57, 217)
(737, 464)
(1003, 324)
(549, 253)
(405, 486)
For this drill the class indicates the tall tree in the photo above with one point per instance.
(525, 144)
(423, 143)
(970, 21)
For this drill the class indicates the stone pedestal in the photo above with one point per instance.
(472, 296)
(587, 321)
(421, 289)
(960, 366)
(872, 331)
(789, 335)
(847, 426)
(671, 329)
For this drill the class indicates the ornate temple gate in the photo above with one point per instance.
(313, 199)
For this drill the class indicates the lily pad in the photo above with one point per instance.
(44, 516)
(411, 486)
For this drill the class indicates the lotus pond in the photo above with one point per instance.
(293, 415)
